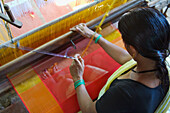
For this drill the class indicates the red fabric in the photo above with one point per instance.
(99, 66)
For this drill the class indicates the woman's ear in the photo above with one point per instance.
(133, 52)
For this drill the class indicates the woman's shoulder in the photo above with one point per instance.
(125, 86)
(131, 84)
(134, 89)
(128, 95)
(118, 97)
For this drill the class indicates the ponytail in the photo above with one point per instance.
(163, 72)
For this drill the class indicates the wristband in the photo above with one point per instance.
(78, 83)
(98, 38)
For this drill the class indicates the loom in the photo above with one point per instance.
(43, 82)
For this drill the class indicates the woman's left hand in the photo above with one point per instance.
(77, 68)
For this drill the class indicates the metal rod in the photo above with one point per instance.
(58, 42)
(151, 4)
(16, 23)
(10, 15)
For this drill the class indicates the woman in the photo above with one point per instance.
(146, 36)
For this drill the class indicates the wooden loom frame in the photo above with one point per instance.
(65, 38)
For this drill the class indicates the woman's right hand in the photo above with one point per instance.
(84, 30)
(77, 68)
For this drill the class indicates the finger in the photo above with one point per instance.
(81, 60)
(76, 55)
(82, 27)
(77, 63)
(84, 24)
(81, 24)
(73, 29)
(79, 29)
(77, 60)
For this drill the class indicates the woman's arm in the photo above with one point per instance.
(85, 102)
(117, 53)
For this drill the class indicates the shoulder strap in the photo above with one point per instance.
(128, 65)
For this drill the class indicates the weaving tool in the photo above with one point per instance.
(42, 52)
(46, 53)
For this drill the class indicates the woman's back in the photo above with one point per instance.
(129, 96)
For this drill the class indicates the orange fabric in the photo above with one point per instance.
(39, 100)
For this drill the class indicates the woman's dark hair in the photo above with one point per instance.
(148, 31)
